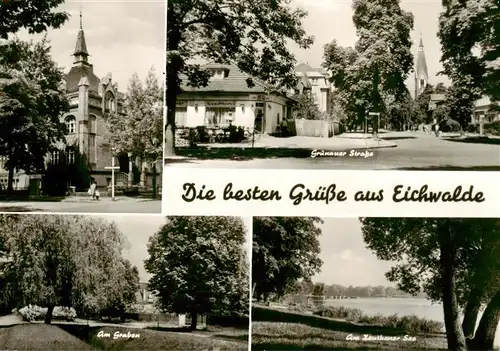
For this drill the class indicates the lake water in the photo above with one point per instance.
(400, 306)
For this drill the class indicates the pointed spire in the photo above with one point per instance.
(81, 19)
(81, 54)
(421, 44)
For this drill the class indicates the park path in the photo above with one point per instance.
(15, 319)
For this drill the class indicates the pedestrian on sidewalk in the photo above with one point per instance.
(92, 189)
(97, 194)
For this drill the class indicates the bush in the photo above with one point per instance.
(449, 125)
(489, 128)
(410, 323)
(32, 313)
(340, 312)
(131, 191)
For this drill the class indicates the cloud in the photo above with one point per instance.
(348, 255)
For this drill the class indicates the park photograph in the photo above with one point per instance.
(143, 282)
(81, 106)
(375, 284)
(387, 85)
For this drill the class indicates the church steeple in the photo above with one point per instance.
(81, 54)
(421, 74)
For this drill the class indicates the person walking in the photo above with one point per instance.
(92, 189)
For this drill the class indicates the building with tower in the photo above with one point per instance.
(421, 74)
(91, 99)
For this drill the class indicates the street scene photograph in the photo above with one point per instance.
(81, 106)
(375, 284)
(117, 282)
(385, 85)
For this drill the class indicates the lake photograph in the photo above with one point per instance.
(375, 283)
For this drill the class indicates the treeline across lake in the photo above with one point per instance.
(335, 290)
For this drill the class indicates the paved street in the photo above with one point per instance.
(414, 150)
(121, 205)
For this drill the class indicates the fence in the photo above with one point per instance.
(317, 128)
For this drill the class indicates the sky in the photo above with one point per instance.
(332, 19)
(137, 230)
(346, 260)
(123, 37)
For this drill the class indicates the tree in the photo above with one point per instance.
(254, 35)
(319, 289)
(31, 104)
(306, 108)
(52, 260)
(441, 113)
(199, 266)
(422, 104)
(440, 88)
(464, 27)
(453, 260)
(36, 16)
(285, 249)
(124, 295)
(400, 114)
(376, 68)
(460, 103)
(140, 131)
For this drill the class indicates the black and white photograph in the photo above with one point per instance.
(81, 106)
(333, 84)
(116, 282)
(375, 283)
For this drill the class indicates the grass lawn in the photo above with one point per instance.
(283, 330)
(81, 337)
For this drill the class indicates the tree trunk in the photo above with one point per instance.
(10, 185)
(471, 311)
(485, 334)
(194, 319)
(144, 174)
(154, 180)
(454, 333)
(48, 316)
(175, 63)
(253, 290)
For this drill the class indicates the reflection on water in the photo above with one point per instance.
(400, 306)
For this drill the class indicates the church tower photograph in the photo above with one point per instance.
(421, 74)
(98, 136)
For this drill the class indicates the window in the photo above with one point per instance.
(218, 117)
(92, 124)
(109, 102)
(92, 140)
(314, 81)
(70, 156)
(54, 157)
(71, 124)
(181, 116)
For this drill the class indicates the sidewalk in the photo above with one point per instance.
(122, 204)
(88, 199)
(337, 143)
